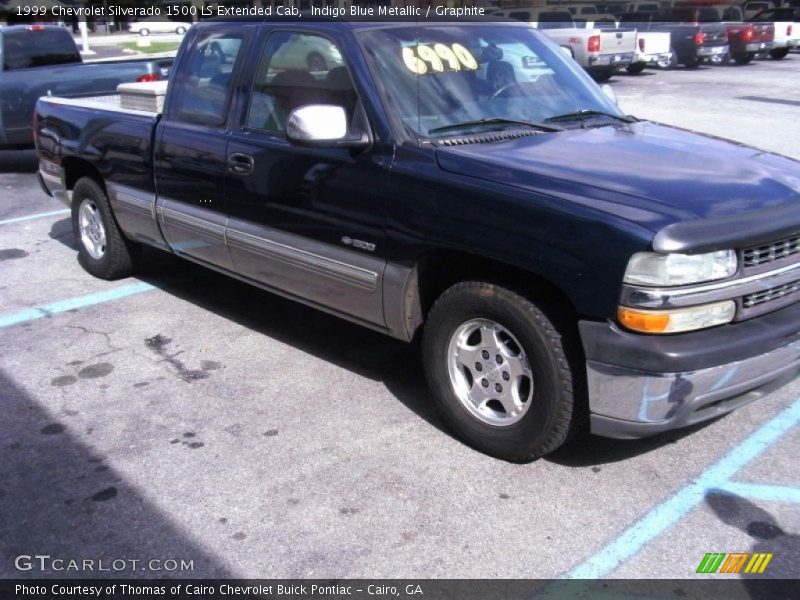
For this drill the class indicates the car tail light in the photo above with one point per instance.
(748, 34)
(699, 38)
(593, 45)
(148, 77)
(35, 28)
(641, 44)
(788, 30)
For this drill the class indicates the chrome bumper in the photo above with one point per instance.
(759, 47)
(611, 60)
(657, 384)
(712, 51)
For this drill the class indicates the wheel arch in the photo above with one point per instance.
(76, 168)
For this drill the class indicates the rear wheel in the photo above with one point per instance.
(670, 63)
(601, 75)
(779, 53)
(498, 369)
(636, 68)
(743, 58)
(102, 249)
(693, 63)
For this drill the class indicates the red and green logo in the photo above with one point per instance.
(734, 562)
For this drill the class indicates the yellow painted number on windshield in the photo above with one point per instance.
(419, 58)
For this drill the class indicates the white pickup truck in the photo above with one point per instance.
(787, 29)
(600, 51)
(653, 48)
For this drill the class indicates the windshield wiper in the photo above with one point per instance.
(580, 115)
(496, 121)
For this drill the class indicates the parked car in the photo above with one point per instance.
(601, 51)
(787, 29)
(692, 42)
(158, 25)
(653, 48)
(41, 60)
(551, 284)
(753, 7)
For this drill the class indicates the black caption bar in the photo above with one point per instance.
(423, 589)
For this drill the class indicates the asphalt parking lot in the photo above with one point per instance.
(184, 415)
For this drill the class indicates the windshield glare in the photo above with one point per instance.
(433, 77)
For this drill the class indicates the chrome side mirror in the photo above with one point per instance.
(322, 125)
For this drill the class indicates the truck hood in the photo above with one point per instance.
(647, 173)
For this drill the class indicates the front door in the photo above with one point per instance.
(307, 221)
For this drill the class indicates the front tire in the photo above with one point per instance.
(102, 249)
(602, 75)
(499, 372)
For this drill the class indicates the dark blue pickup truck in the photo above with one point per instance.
(463, 184)
(41, 60)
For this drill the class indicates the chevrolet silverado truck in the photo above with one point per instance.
(467, 185)
(692, 42)
(41, 60)
(787, 29)
(600, 50)
(653, 48)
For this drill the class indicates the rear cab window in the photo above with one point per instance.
(36, 46)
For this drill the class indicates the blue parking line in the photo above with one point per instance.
(60, 306)
(666, 514)
(761, 491)
(52, 213)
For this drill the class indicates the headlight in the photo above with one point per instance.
(650, 268)
(677, 320)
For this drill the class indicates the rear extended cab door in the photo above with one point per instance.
(308, 221)
(190, 154)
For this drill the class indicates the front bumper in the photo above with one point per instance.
(642, 385)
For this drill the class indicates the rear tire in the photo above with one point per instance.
(103, 251)
(636, 68)
(693, 63)
(602, 75)
(498, 369)
(743, 58)
(779, 53)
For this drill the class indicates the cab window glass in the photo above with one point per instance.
(295, 70)
(207, 80)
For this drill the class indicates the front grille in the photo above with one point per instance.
(770, 294)
(766, 253)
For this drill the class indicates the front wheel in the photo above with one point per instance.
(779, 53)
(102, 249)
(499, 372)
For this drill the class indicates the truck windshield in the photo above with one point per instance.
(38, 47)
(436, 76)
